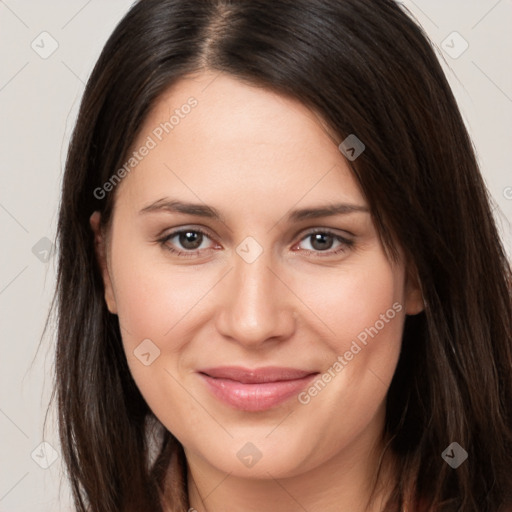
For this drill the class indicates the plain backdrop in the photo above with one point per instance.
(47, 51)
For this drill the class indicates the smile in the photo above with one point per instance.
(255, 390)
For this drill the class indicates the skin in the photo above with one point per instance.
(254, 156)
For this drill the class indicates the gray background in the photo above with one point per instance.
(39, 98)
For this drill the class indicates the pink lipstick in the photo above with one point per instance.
(255, 390)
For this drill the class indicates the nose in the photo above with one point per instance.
(255, 305)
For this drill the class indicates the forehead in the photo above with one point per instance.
(215, 138)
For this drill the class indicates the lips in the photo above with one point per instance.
(257, 389)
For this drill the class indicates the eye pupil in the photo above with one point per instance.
(190, 239)
(322, 241)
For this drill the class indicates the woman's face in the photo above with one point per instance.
(266, 278)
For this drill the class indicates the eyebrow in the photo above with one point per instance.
(172, 206)
(326, 211)
(203, 210)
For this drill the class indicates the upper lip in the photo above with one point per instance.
(256, 375)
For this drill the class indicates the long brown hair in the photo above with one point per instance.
(369, 70)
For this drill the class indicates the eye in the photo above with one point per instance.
(188, 242)
(321, 243)
(192, 242)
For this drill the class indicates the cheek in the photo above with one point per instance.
(357, 299)
(160, 308)
(154, 304)
(151, 298)
(362, 312)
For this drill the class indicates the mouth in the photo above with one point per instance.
(255, 390)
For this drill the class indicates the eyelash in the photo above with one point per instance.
(345, 243)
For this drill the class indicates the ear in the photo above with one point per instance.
(100, 248)
(414, 302)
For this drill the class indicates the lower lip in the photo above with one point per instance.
(255, 397)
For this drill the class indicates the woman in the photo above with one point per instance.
(280, 283)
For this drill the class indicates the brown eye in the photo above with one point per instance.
(323, 242)
(187, 243)
(190, 240)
